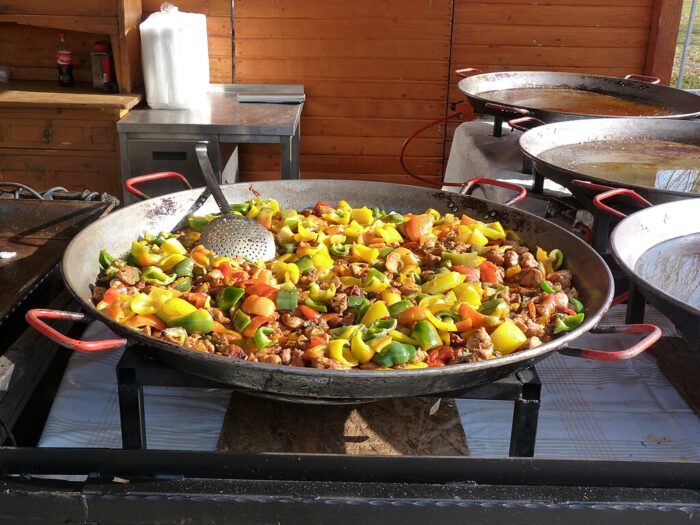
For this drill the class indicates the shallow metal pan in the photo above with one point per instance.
(627, 142)
(482, 91)
(115, 233)
(674, 284)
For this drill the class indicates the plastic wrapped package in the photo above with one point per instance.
(175, 58)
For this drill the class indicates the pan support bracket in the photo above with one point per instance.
(137, 369)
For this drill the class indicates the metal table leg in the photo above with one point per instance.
(131, 410)
(296, 153)
(538, 181)
(636, 304)
(286, 157)
(525, 416)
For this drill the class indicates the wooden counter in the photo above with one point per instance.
(52, 136)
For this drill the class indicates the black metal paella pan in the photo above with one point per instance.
(116, 232)
(658, 159)
(555, 96)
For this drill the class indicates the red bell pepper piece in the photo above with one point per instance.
(488, 272)
(472, 274)
(309, 313)
(263, 290)
(113, 293)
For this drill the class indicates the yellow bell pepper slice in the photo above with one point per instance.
(376, 286)
(322, 260)
(378, 343)
(543, 257)
(354, 229)
(443, 282)
(339, 349)
(319, 295)
(363, 215)
(445, 336)
(389, 234)
(141, 304)
(368, 255)
(360, 350)
(469, 293)
(171, 246)
(447, 326)
(390, 296)
(477, 238)
(507, 337)
(349, 280)
(403, 338)
(175, 308)
(376, 311)
(512, 271)
(169, 262)
(143, 257)
(304, 234)
(411, 366)
(464, 233)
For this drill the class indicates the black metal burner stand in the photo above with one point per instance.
(137, 369)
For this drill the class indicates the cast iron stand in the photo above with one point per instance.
(137, 369)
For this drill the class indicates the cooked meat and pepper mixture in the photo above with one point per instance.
(350, 288)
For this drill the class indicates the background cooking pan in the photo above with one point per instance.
(659, 248)
(556, 97)
(115, 233)
(658, 159)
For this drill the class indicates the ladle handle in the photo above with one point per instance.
(210, 178)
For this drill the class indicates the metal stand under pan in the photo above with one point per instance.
(137, 369)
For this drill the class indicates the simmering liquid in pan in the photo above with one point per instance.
(674, 267)
(661, 164)
(574, 101)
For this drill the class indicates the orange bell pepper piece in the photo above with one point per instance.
(418, 226)
(470, 318)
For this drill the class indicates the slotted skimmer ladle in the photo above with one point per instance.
(232, 235)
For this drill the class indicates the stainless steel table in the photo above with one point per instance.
(164, 140)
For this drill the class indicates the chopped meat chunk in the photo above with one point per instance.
(530, 277)
(527, 260)
(479, 343)
(562, 278)
(510, 258)
(339, 302)
(129, 275)
(495, 257)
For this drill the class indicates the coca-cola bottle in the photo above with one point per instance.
(64, 59)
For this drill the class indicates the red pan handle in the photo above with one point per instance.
(35, 319)
(525, 123)
(513, 110)
(598, 201)
(591, 185)
(130, 184)
(472, 183)
(644, 78)
(653, 333)
(467, 72)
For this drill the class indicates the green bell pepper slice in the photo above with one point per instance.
(448, 313)
(305, 264)
(557, 258)
(240, 321)
(239, 207)
(394, 354)
(578, 305)
(316, 306)
(287, 299)
(548, 288)
(461, 259)
(228, 297)
(426, 334)
(182, 284)
(197, 223)
(289, 247)
(339, 250)
(154, 275)
(398, 307)
(184, 268)
(490, 306)
(379, 328)
(199, 322)
(105, 259)
(394, 218)
(356, 301)
(260, 339)
(567, 323)
(383, 252)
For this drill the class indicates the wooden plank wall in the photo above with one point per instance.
(219, 32)
(373, 72)
(587, 36)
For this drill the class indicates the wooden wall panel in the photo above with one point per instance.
(373, 72)
(587, 36)
(219, 33)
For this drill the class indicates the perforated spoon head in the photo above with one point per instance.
(238, 236)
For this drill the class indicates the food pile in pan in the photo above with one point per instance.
(350, 288)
